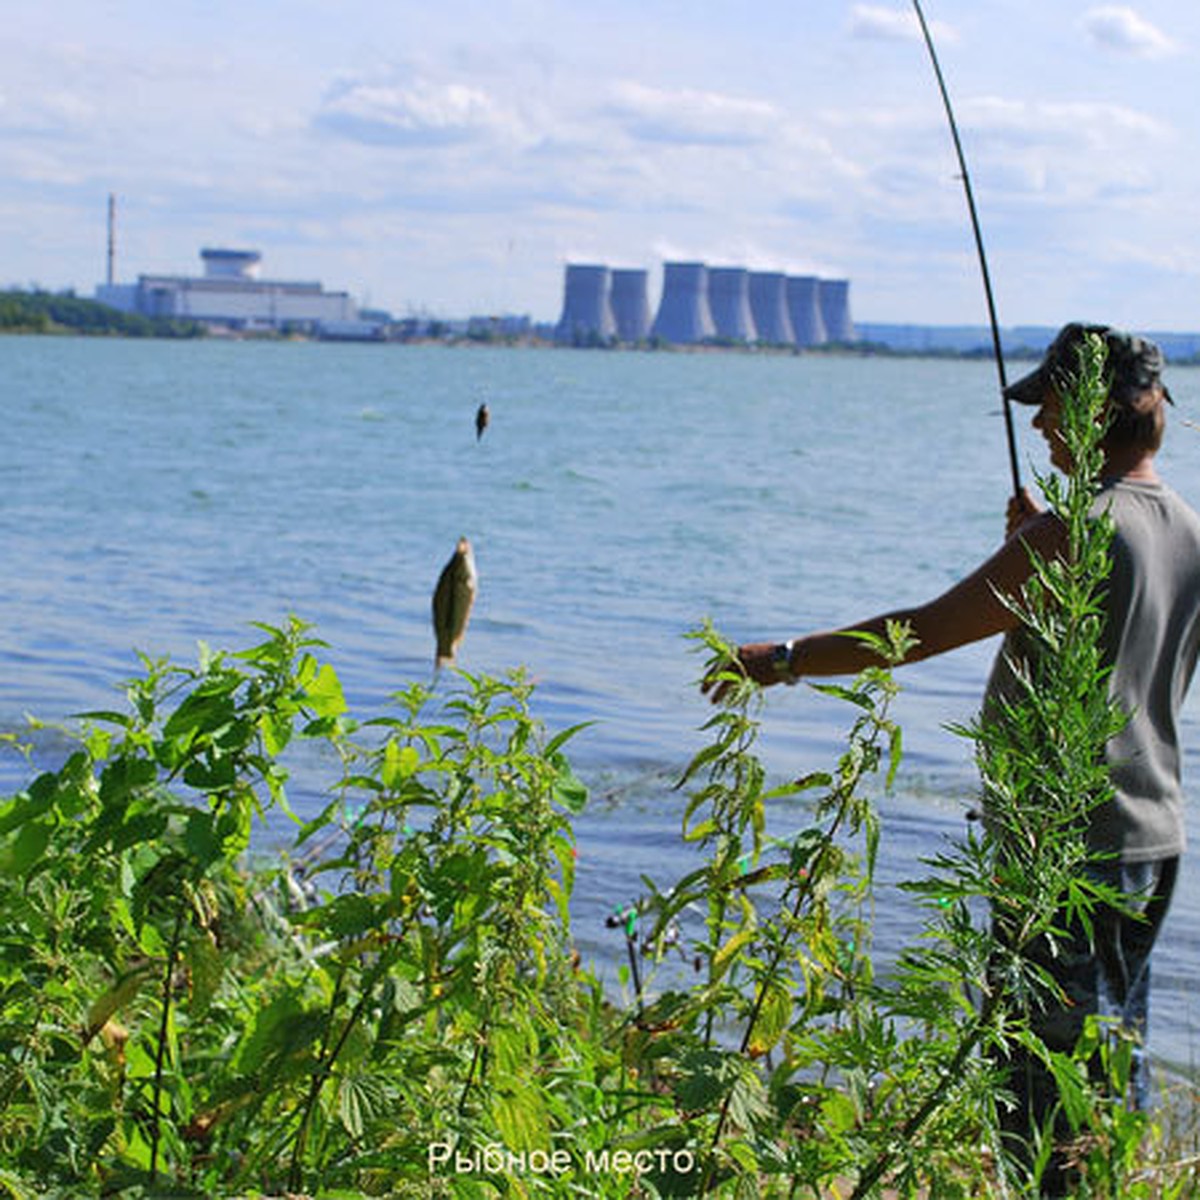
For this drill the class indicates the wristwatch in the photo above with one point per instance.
(781, 661)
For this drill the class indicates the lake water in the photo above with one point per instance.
(153, 495)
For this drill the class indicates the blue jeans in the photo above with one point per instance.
(1106, 976)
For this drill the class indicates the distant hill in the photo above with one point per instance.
(64, 312)
(1017, 341)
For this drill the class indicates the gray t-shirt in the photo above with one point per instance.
(1152, 636)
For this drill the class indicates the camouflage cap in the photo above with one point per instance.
(1132, 365)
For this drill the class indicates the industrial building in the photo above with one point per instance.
(729, 302)
(629, 295)
(703, 304)
(587, 316)
(684, 316)
(834, 301)
(804, 310)
(768, 302)
(231, 294)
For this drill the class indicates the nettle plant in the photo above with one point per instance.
(173, 1019)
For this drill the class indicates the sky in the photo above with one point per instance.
(451, 158)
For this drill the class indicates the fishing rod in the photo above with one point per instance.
(983, 266)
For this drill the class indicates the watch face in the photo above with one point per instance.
(781, 660)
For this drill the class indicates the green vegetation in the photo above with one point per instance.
(63, 312)
(395, 1007)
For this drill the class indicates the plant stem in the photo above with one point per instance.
(933, 1100)
(324, 1069)
(845, 794)
(161, 1050)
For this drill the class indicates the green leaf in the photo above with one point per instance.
(723, 956)
(345, 916)
(399, 764)
(856, 696)
(703, 1081)
(205, 967)
(522, 1119)
(111, 1002)
(774, 1015)
(556, 742)
(706, 755)
(838, 1113)
(350, 1107)
(325, 694)
(569, 790)
(124, 776)
(206, 710)
(895, 754)
(280, 1028)
(199, 838)
(106, 715)
(29, 845)
(276, 730)
(513, 1046)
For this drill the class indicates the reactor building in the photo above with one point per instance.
(232, 294)
(702, 304)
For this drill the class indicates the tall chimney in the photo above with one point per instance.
(587, 314)
(112, 237)
(683, 313)
(768, 303)
(729, 301)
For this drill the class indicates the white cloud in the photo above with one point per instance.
(893, 24)
(690, 117)
(50, 114)
(1099, 125)
(1115, 27)
(421, 113)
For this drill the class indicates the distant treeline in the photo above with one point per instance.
(63, 312)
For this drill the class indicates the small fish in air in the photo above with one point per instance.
(482, 417)
(452, 601)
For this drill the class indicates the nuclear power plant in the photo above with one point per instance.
(702, 304)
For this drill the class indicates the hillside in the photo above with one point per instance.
(64, 312)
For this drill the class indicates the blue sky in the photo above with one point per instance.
(451, 158)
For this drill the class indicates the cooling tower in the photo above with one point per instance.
(768, 304)
(729, 303)
(835, 309)
(804, 308)
(683, 312)
(586, 315)
(630, 304)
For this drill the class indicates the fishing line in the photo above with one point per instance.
(983, 266)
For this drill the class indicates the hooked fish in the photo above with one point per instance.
(452, 601)
(482, 417)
